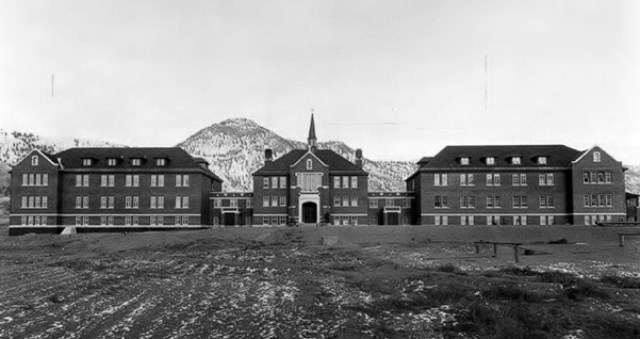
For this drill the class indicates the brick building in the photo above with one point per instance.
(110, 188)
(518, 185)
(310, 186)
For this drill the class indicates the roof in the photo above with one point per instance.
(557, 156)
(177, 158)
(312, 129)
(335, 161)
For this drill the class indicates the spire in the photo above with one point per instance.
(312, 142)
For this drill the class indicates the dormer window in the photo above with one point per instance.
(112, 161)
(34, 160)
(136, 162)
(86, 162)
(464, 161)
(596, 157)
(491, 161)
(309, 164)
(161, 162)
(516, 161)
(542, 160)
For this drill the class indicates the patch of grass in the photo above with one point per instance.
(511, 292)
(584, 288)
(448, 268)
(621, 282)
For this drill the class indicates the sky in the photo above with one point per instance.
(400, 79)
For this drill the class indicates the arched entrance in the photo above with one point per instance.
(309, 213)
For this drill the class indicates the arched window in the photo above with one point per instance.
(34, 160)
(309, 164)
(596, 157)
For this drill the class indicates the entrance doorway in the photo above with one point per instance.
(309, 213)
(229, 219)
(393, 219)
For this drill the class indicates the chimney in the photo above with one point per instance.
(359, 158)
(268, 155)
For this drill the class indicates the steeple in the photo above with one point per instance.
(312, 142)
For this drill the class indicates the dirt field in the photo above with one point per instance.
(413, 282)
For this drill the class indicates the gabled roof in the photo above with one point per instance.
(335, 161)
(557, 156)
(177, 158)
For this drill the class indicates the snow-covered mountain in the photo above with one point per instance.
(235, 149)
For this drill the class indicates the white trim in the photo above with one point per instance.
(110, 226)
(304, 155)
(270, 215)
(599, 213)
(496, 213)
(41, 154)
(349, 215)
(106, 213)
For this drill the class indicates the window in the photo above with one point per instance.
(594, 200)
(336, 200)
(491, 161)
(265, 201)
(516, 161)
(354, 182)
(440, 202)
(585, 177)
(24, 202)
(127, 220)
(34, 160)
(103, 202)
(103, 181)
(336, 182)
(586, 201)
(182, 201)
(25, 180)
(161, 162)
(547, 201)
(38, 179)
(128, 180)
(467, 179)
(110, 220)
(600, 177)
(389, 202)
(596, 157)
(110, 202)
(136, 162)
(373, 203)
(154, 180)
(493, 202)
(282, 201)
(136, 180)
(103, 220)
(274, 201)
(542, 160)
(283, 182)
(345, 182)
(127, 202)
(520, 201)
(78, 180)
(111, 162)
(45, 201)
(440, 179)
(546, 179)
(136, 202)
(345, 201)
(85, 180)
(607, 177)
(178, 180)
(608, 200)
(354, 201)
(493, 179)
(86, 162)
(160, 180)
(464, 161)
(467, 202)
(217, 203)
(309, 164)
(265, 182)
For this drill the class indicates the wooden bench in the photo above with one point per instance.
(495, 247)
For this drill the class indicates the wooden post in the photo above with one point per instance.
(495, 250)
(515, 252)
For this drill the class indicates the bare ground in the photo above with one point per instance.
(281, 283)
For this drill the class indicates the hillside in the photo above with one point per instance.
(235, 149)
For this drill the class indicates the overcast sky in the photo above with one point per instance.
(400, 79)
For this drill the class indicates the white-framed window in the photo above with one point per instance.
(127, 220)
(464, 161)
(38, 179)
(45, 179)
(389, 202)
(491, 161)
(112, 162)
(110, 221)
(182, 201)
(265, 201)
(345, 201)
(354, 182)
(445, 220)
(45, 201)
(103, 220)
(178, 180)
(274, 201)
(136, 162)
(103, 180)
(467, 201)
(282, 201)
(373, 203)
(493, 179)
(78, 220)
(354, 201)
(86, 162)
(85, 180)
(607, 177)
(161, 162)
(160, 180)
(283, 182)
(128, 202)
(608, 202)
(309, 164)
(24, 202)
(274, 182)
(136, 180)
(547, 201)
(78, 180)
(154, 180)
(546, 179)
(128, 180)
(440, 201)
(34, 160)
(436, 220)
(110, 202)
(516, 161)
(25, 179)
(153, 220)
(336, 182)
(542, 160)
(345, 182)
(103, 202)
(265, 182)
(440, 179)
(136, 202)
(596, 156)
(217, 203)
